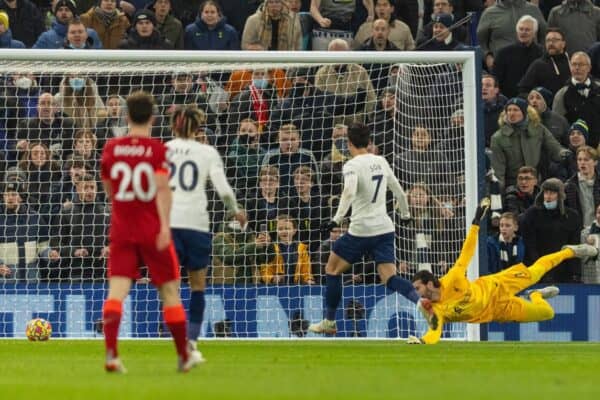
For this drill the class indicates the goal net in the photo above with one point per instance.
(279, 121)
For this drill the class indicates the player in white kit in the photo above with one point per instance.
(191, 165)
(371, 231)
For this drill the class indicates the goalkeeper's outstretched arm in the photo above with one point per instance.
(470, 243)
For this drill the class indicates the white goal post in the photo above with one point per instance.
(434, 93)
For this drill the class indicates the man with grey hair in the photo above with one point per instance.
(497, 24)
(512, 61)
(579, 20)
(580, 98)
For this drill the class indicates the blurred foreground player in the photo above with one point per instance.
(454, 298)
(135, 177)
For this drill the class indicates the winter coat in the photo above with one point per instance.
(172, 30)
(223, 36)
(594, 52)
(110, 35)
(302, 271)
(573, 194)
(256, 25)
(23, 236)
(557, 124)
(347, 82)
(551, 72)
(546, 231)
(7, 42)
(573, 106)
(491, 113)
(518, 202)
(55, 37)
(515, 147)
(246, 162)
(58, 136)
(511, 63)
(26, 21)
(496, 27)
(154, 42)
(84, 225)
(579, 20)
(287, 164)
(590, 270)
(399, 35)
(503, 255)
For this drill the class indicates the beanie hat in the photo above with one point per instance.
(546, 95)
(444, 19)
(519, 102)
(70, 4)
(13, 187)
(582, 127)
(554, 185)
(143, 15)
(4, 18)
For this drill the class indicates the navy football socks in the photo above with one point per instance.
(333, 294)
(196, 314)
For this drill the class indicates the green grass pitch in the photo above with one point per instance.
(303, 370)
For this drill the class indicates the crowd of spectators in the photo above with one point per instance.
(281, 131)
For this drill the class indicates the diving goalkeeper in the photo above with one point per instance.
(454, 298)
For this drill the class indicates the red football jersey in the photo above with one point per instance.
(130, 163)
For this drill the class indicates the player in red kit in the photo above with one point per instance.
(135, 177)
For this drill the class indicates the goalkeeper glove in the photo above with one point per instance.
(482, 210)
(327, 227)
(414, 340)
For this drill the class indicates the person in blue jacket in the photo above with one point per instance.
(6, 40)
(64, 11)
(506, 248)
(210, 31)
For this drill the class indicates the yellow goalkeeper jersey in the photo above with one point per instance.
(461, 300)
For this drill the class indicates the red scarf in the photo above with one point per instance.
(260, 107)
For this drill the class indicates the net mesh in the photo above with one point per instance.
(280, 129)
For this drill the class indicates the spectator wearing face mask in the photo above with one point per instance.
(78, 98)
(547, 226)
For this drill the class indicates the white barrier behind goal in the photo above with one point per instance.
(278, 119)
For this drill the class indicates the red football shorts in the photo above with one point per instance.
(126, 259)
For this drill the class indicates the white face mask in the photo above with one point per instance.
(23, 83)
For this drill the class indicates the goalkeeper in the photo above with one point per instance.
(454, 298)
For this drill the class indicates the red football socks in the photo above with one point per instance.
(111, 315)
(175, 319)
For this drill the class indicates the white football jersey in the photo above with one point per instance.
(192, 163)
(366, 180)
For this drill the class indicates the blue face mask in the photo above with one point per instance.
(260, 83)
(77, 83)
(551, 205)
